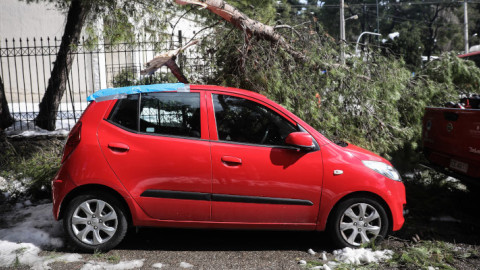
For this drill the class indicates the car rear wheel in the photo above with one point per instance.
(358, 221)
(95, 222)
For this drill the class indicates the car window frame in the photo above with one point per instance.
(204, 136)
(213, 121)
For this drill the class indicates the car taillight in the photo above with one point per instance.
(73, 140)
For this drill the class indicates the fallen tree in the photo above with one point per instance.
(241, 21)
(168, 59)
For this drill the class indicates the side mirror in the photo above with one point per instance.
(302, 140)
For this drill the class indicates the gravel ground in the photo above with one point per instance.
(214, 249)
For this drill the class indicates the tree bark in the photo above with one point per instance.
(76, 17)
(6, 118)
(244, 23)
(168, 59)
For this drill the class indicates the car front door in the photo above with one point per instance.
(157, 145)
(256, 177)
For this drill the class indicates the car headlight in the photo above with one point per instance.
(383, 169)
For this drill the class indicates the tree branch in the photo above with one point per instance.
(244, 23)
(167, 59)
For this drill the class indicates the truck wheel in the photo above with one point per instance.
(357, 221)
(95, 222)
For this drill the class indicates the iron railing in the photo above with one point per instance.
(26, 64)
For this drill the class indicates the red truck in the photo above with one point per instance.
(451, 136)
(451, 140)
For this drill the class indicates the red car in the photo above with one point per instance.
(175, 155)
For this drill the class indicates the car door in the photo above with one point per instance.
(256, 177)
(157, 145)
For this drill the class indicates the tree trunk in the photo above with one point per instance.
(76, 17)
(244, 23)
(6, 118)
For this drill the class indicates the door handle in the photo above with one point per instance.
(231, 161)
(118, 147)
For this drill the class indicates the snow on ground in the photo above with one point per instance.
(351, 256)
(157, 265)
(13, 254)
(91, 265)
(29, 229)
(185, 265)
(33, 228)
(28, 129)
(361, 255)
(33, 225)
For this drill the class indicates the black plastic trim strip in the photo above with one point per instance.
(183, 195)
(261, 200)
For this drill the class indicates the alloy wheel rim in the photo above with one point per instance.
(360, 223)
(94, 222)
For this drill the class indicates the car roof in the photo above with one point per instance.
(231, 90)
(121, 92)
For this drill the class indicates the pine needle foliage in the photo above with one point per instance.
(373, 101)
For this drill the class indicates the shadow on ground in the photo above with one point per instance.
(442, 209)
(223, 240)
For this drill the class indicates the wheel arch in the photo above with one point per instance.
(88, 188)
(364, 194)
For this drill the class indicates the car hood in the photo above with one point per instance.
(363, 154)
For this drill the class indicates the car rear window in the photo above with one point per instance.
(125, 112)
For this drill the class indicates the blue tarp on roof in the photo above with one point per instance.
(114, 93)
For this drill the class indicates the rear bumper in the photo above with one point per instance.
(61, 186)
(442, 160)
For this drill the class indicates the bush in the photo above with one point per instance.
(29, 166)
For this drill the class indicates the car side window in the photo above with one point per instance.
(125, 112)
(175, 114)
(245, 121)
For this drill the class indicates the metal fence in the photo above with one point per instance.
(26, 64)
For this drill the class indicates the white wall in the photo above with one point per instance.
(21, 20)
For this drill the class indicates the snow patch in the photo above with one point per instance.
(445, 219)
(185, 265)
(157, 265)
(28, 129)
(13, 254)
(361, 255)
(33, 224)
(92, 265)
(352, 256)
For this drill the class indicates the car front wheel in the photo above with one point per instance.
(358, 221)
(95, 222)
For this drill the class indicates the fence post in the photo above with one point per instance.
(180, 44)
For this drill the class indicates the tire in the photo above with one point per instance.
(95, 222)
(348, 227)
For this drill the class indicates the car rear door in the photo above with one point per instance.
(256, 177)
(157, 145)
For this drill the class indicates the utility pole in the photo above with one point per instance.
(342, 33)
(465, 24)
(378, 20)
